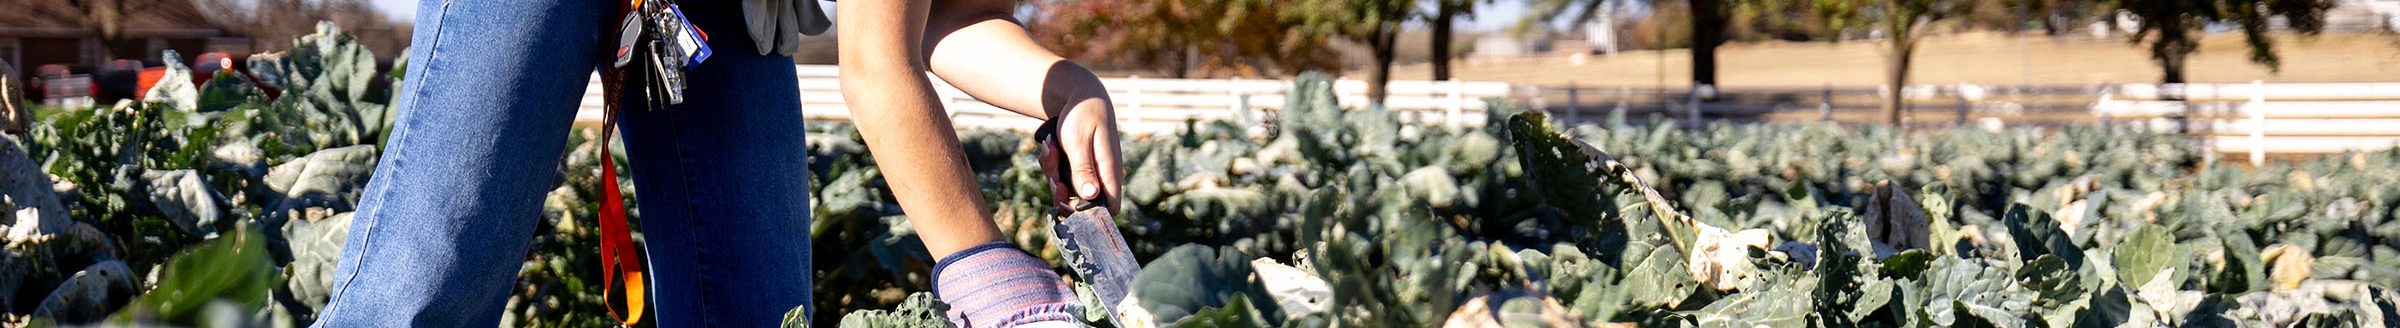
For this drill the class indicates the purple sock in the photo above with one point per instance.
(998, 285)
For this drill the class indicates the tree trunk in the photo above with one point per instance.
(1896, 79)
(108, 48)
(1184, 60)
(1441, 40)
(1387, 37)
(1708, 30)
(105, 28)
(2053, 21)
(2173, 47)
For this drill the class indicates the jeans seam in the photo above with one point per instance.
(371, 211)
(691, 213)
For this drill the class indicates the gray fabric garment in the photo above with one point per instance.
(15, 116)
(778, 24)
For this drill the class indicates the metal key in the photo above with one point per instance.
(666, 82)
(629, 40)
(658, 37)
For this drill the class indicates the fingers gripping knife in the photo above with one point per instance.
(655, 43)
(1087, 237)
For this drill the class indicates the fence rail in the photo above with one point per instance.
(1152, 105)
(2259, 119)
(1928, 105)
(2248, 118)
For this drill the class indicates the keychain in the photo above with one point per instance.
(655, 44)
(658, 38)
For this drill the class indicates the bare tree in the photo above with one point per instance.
(107, 19)
(272, 24)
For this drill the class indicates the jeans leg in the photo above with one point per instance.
(724, 201)
(445, 222)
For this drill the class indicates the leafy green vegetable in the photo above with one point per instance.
(919, 310)
(1384, 222)
(234, 268)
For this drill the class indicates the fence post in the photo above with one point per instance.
(2258, 122)
(2107, 120)
(1692, 113)
(1695, 96)
(1233, 96)
(1825, 104)
(1574, 100)
(1538, 102)
(1458, 104)
(1624, 101)
(1960, 92)
(1136, 82)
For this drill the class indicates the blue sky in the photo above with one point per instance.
(1499, 16)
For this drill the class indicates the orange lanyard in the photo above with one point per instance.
(616, 239)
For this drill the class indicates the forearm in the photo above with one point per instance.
(990, 57)
(976, 46)
(913, 142)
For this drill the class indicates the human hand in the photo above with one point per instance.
(1085, 137)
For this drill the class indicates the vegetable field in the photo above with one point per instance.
(226, 204)
(1327, 216)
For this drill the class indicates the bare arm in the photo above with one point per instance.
(979, 47)
(903, 123)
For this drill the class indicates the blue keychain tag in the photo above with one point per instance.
(694, 43)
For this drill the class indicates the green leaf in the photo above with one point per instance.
(2056, 288)
(2036, 235)
(2144, 254)
(1909, 264)
(1775, 307)
(1959, 290)
(1236, 312)
(1192, 279)
(233, 267)
(1659, 281)
(919, 311)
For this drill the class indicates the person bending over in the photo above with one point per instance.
(444, 224)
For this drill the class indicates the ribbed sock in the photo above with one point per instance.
(998, 285)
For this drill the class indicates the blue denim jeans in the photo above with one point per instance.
(482, 119)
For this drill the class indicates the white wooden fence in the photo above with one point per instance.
(2261, 118)
(1154, 105)
(2250, 118)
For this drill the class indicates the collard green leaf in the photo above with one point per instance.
(919, 311)
(1777, 306)
(187, 201)
(1236, 312)
(2144, 255)
(1192, 279)
(1847, 277)
(2053, 283)
(234, 267)
(1959, 291)
(316, 248)
(2036, 235)
(1556, 168)
(1907, 265)
(1659, 281)
(174, 88)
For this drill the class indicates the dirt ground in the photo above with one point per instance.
(1983, 58)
